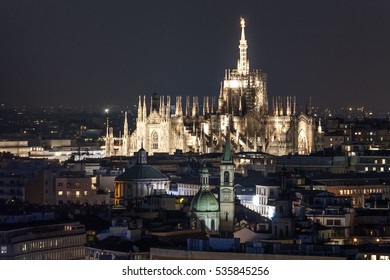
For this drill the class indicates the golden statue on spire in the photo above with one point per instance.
(242, 21)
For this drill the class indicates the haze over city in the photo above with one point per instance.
(92, 52)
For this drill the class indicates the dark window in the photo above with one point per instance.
(226, 177)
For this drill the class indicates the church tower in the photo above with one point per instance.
(226, 192)
(204, 206)
(283, 223)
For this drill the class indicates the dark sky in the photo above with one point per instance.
(108, 52)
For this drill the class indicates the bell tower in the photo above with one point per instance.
(226, 192)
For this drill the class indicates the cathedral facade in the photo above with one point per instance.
(241, 113)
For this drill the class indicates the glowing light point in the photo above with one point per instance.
(242, 21)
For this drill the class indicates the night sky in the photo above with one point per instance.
(108, 52)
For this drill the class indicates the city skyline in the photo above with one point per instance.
(72, 52)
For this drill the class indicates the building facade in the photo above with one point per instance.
(243, 114)
(76, 187)
(52, 241)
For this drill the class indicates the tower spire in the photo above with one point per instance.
(227, 153)
(139, 108)
(243, 62)
(125, 138)
(125, 125)
(144, 110)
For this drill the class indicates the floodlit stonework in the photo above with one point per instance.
(243, 113)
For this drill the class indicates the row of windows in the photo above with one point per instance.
(372, 160)
(335, 222)
(62, 254)
(330, 222)
(263, 191)
(11, 183)
(188, 192)
(76, 184)
(12, 191)
(376, 257)
(49, 244)
(374, 168)
(70, 193)
(363, 191)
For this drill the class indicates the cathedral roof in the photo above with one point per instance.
(204, 201)
(141, 172)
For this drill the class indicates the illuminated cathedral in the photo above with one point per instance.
(241, 112)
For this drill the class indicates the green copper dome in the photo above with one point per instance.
(204, 201)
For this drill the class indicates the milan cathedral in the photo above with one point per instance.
(243, 114)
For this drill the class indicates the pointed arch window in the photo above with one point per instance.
(154, 140)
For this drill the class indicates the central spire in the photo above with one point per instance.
(243, 62)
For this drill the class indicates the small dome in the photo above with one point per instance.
(204, 201)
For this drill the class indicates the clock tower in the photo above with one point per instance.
(226, 192)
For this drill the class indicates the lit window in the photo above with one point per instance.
(85, 192)
(366, 168)
(68, 228)
(382, 169)
(77, 193)
(383, 161)
(3, 250)
(68, 193)
(60, 192)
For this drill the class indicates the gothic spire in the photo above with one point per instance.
(243, 62)
(144, 110)
(139, 108)
(125, 126)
